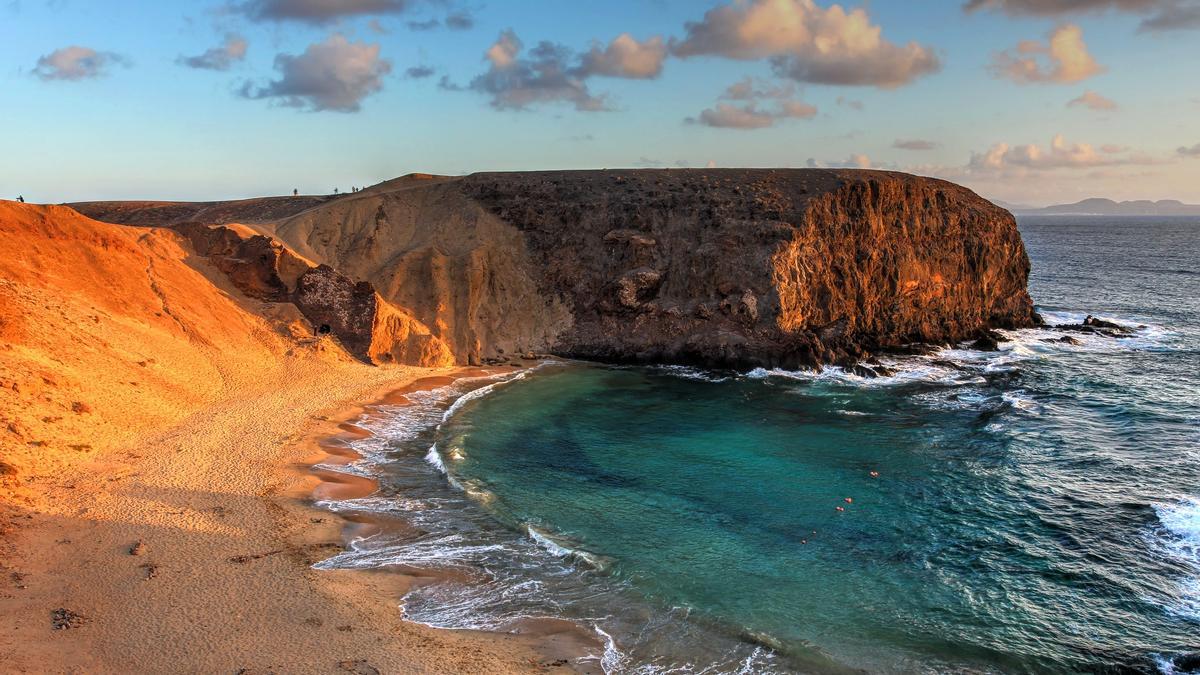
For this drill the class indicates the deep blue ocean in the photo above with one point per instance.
(1034, 510)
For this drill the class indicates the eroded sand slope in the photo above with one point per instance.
(153, 492)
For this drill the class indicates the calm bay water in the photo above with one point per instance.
(1033, 510)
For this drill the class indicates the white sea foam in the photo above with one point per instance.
(435, 459)
(1183, 520)
(560, 549)
(960, 365)
(1020, 400)
(613, 660)
(1181, 541)
(691, 373)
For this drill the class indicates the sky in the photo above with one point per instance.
(1025, 101)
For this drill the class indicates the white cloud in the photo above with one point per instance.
(1063, 59)
(752, 114)
(1164, 15)
(318, 11)
(855, 161)
(515, 82)
(914, 144)
(551, 72)
(221, 57)
(807, 43)
(728, 116)
(334, 75)
(76, 63)
(1092, 100)
(626, 57)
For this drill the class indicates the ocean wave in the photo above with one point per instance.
(691, 373)
(434, 458)
(441, 551)
(558, 547)
(1180, 540)
(909, 370)
(961, 365)
(502, 379)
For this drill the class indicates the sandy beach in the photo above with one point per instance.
(190, 550)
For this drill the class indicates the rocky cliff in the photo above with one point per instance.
(367, 325)
(730, 267)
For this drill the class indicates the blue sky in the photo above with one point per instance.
(127, 119)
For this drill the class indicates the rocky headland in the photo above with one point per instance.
(716, 267)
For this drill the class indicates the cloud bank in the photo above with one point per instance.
(1058, 155)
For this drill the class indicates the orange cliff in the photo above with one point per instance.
(107, 331)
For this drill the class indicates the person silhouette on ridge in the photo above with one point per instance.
(21, 198)
(295, 192)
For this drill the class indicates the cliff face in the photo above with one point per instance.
(763, 267)
(367, 325)
(717, 267)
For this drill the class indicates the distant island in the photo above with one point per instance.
(1098, 206)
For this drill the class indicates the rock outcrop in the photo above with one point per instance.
(366, 325)
(732, 267)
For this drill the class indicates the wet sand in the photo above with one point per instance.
(560, 644)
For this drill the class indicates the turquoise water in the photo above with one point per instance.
(1032, 510)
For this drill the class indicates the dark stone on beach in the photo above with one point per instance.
(1066, 339)
(63, 619)
(138, 549)
(358, 666)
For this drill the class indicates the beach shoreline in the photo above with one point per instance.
(191, 549)
(559, 643)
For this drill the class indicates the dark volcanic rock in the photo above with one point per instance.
(367, 325)
(259, 266)
(1093, 326)
(771, 267)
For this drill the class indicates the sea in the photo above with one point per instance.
(1031, 510)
